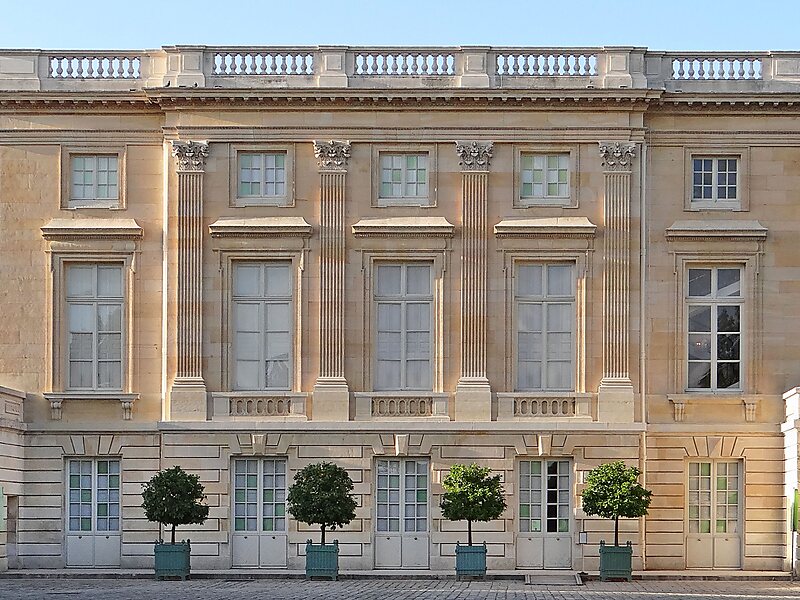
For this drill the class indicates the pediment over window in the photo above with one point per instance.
(404, 227)
(716, 229)
(546, 227)
(111, 229)
(261, 227)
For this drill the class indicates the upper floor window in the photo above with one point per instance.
(544, 176)
(545, 324)
(715, 181)
(94, 311)
(262, 318)
(714, 328)
(404, 313)
(262, 175)
(404, 179)
(94, 180)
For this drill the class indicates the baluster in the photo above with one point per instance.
(751, 70)
(118, 67)
(68, 66)
(269, 67)
(592, 64)
(690, 69)
(583, 65)
(500, 64)
(757, 69)
(288, 61)
(701, 69)
(740, 71)
(371, 64)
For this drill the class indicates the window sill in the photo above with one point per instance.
(719, 398)
(279, 201)
(265, 404)
(516, 406)
(402, 405)
(56, 400)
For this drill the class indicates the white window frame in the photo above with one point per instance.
(713, 301)
(714, 153)
(544, 300)
(563, 484)
(260, 487)
(95, 475)
(380, 151)
(284, 200)
(69, 154)
(263, 301)
(715, 185)
(570, 200)
(404, 299)
(528, 176)
(713, 504)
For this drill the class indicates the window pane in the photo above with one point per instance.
(279, 317)
(418, 279)
(388, 375)
(247, 280)
(700, 319)
(279, 280)
(418, 316)
(699, 283)
(728, 375)
(109, 317)
(559, 280)
(728, 318)
(389, 317)
(388, 280)
(529, 280)
(80, 281)
(529, 317)
(109, 375)
(81, 318)
(700, 375)
(728, 283)
(699, 347)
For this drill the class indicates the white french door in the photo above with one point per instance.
(714, 539)
(544, 536)
(93, 513)
(402, 538)
(259, 513)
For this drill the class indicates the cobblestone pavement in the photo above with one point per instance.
(276, 589)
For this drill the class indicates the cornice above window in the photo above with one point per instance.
(261, 227)
(717, 229)
(105, 229)
(404, 227)
(547, 227)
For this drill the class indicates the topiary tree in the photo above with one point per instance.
(472, 494)
(174, 497)
(613, 491)
(321, 495)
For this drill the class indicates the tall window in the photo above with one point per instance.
(94, 179)
(544, 496)
(404, 179)
(714, 497)
(259, 489)
(545, 322)
(714, 328)
(715, 180)
(262, 331)
(544, 176)
(262, 175)
(403, 309)
(94, 311)
(93, 488)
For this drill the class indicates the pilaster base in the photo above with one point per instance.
(331, 400)
(615, 401)
(473, 400)
(188, 400)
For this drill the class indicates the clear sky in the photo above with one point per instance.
(657, 24)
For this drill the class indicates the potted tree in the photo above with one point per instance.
(173, 497)
(471, 494)
(613, 491)
(322, 495)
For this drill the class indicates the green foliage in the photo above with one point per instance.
(322, 495)
(472, 494)
(174, 497)
(613, 491)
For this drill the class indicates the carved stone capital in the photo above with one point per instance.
(474, 156)
(617, 156)
(190, 156)
(332, 155)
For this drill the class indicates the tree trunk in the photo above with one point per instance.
(469, 533)
(616, 531)
(322, 528)
(173, 535)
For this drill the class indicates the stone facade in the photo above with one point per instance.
(626, 136)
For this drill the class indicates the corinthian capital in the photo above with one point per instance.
(191, 156)
(474, 156)
(617, 156)
(332, 155)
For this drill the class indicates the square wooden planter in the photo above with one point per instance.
(322, 560)
(173, 560)
(470, 561)
(615, 562)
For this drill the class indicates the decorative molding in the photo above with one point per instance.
(104, 229)
(617, 156)
(547, 227)
(261, 227)
(404, 227)
(56, 400)
(402, 405)
(332, 155)
(474, 156)
(723, 230)
(190, 156)
(513, 406)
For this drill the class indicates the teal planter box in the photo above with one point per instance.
(173, 560)
(322, 560)
(470, 561)
(615, 562)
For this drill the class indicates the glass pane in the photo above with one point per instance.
(699, 347)
(700, 375)
(418, 279)
(699, 283)
(728, 318)
(728, 283)
(700, 319)
(109, 281)
(246, 280)
(728, 375)
(559, 280)
(80, 281)
(529, 280)
(388, 280)
(278, 280)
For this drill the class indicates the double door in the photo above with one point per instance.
(93, 513)
(402, 538)
(714, 538)
(544, 535)
(259, 513)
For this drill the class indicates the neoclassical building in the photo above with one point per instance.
(245, 260)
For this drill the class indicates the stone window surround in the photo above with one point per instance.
(742, 202)
(431, 149)
(66, 152)
(574, 175)
(285, 201)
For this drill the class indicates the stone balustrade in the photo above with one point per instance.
(398, 67)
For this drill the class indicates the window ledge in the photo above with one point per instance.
(67, 229)
(679, 402)
(272, 405)
(717, 229)
(549, 227)
(261, 227)
(57, 398)
(402, 405)
(404, 227)
(514, 406)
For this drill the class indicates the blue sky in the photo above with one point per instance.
(658, 24)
